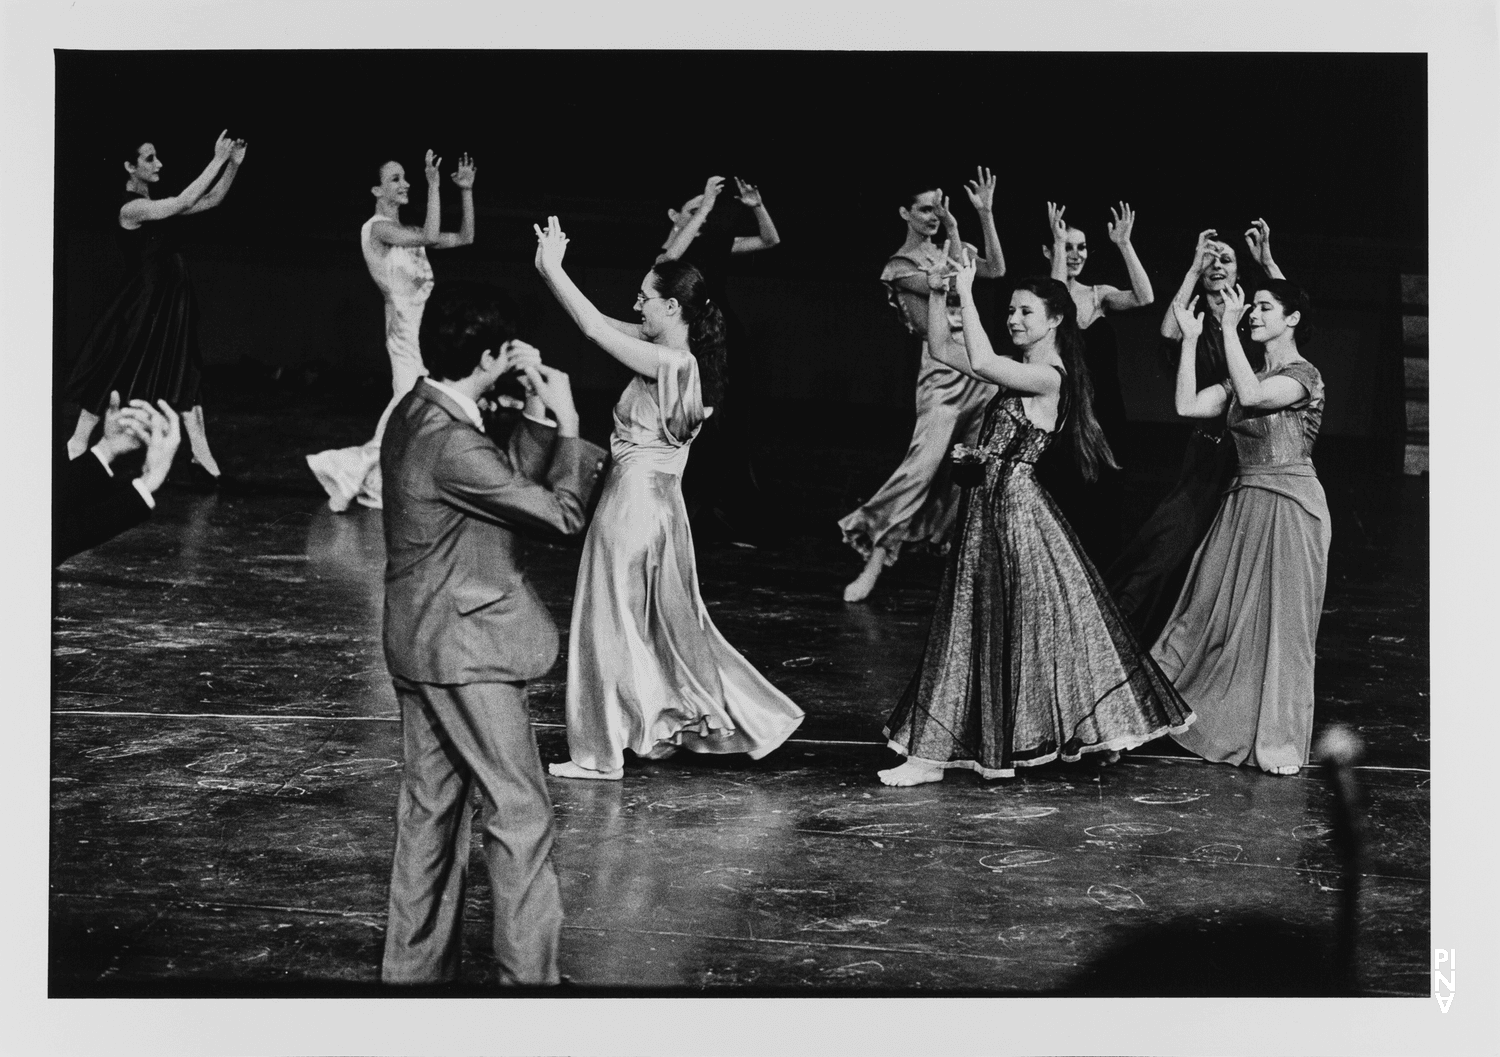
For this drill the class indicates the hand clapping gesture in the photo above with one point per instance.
(748, 194)
(463, 176)
(981, 190)
(1234, 307)
(1258, 238)
(125, 428)
(551, 244)
(1056, 223)
(433, 165)
(1122, 222)
(1189, 320)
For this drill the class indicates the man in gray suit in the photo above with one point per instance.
(464, 631)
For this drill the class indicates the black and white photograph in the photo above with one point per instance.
(617, 516)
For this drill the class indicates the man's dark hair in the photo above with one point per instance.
(463, 319)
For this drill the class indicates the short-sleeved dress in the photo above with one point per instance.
(919, 502)
(1239, 646)
(404, 277)
(145, 346)
(1027, 659)
(646, 666)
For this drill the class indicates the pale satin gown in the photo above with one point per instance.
(647, 668)
(405, 278)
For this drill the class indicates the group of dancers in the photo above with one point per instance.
(1203, 628)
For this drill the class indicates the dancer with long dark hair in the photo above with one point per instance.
(145, 346)
(1239, 644)
(1147, 577)
(919, 502)
(1027, 659)
(647, 669)
(396, 255)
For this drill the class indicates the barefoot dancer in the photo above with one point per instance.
(647, 669)
(1027, 659)
(919, 502)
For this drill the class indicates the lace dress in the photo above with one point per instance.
(1027, 659)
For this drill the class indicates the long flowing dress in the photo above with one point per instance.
(919, 502)
(1027, 659)
(1239, 645)
(646, 666)
(405, 278)
(145, 345)
(1147, 577)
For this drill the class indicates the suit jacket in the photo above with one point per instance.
(458, 608)
(89, 506)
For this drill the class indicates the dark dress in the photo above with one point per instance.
(146, 343)
(1149, 573)
(1027, 659)
(1239, 645)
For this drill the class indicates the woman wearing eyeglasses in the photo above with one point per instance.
(647, 669)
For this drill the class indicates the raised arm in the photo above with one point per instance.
(1031, 378)
(682, 237)
(640, 356)
(220, 189)
(138, 211)
(940, 341)
(1139, 295)
(959, 250)
(1190, 401)
(1059, 228)
(1258, 238)
(1169, 325)
(463, 177)
(767, 237)
(1262, 394)
(981, 192)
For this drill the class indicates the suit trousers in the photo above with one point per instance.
(455, 736)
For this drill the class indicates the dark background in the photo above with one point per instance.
(1329, 148)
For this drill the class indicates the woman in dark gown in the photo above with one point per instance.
(1027, 659)
(1147, 577)
(723, 497)
(145, 346)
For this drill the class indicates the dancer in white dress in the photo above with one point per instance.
(396, 255)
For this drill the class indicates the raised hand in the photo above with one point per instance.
(939, 274)
(552, 388)
(945, 214)
(749, 194)
(551, 244)
(1055, 222)
(161, 446)
(463, 176)
(1122, 222)
(223, 146)
(1258, 238)
(981, 189)
(434, 168)
(517, 355)
(1234, 306)
(711, 191)
(1203, 253)
(237, 155)
(963, 278)
(1189, 319)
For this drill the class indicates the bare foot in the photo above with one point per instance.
(1283, 770)
(569, 769)
(860, 588)
(911, 773)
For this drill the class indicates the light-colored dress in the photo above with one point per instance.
(919, 502)
(1027, 659)
(405, 278)
(1239, 646)
(646, 666)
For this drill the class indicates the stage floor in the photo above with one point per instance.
(226, 757)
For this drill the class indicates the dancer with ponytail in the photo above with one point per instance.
(647, 669)
(1027, 659)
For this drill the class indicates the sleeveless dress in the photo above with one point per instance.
(1027, 659)
(919, 502)
(1239, 645)
(405, 278)
(646, 666)
(146, 343)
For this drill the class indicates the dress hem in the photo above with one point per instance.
(1122, 744)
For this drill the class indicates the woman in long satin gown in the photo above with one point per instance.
(1027, 659)
(919, 502)
(1148, 575)
(1239, 645)
(396, 255)
(647, 669)
(145, 346)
